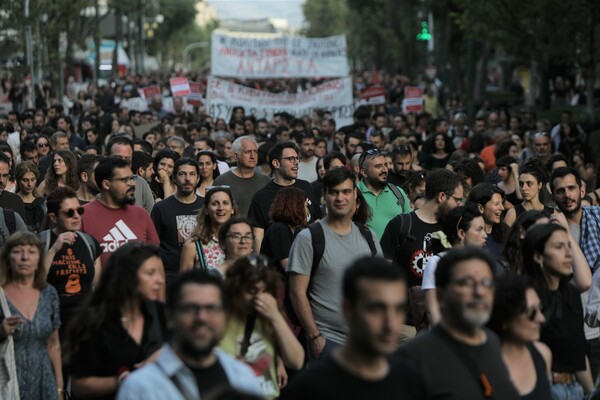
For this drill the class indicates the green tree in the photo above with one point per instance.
(326, 17)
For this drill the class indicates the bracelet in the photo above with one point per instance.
(312, 339)
(60, 390)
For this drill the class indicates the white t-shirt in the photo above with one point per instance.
(429, 273)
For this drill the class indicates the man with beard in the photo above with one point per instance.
(584, 225)
(386, 200)
(175, 217)
(283, 158)
(9, 200)
(374, 305)
(472, 366)
(307, 169)
(403, 165)
(315, 289)
(88, 189)
(406, 239)
(113, 219)
(191, 366)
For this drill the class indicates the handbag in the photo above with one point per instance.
(201, 260)
(9, 387)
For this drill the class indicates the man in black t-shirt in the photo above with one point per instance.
(374, 305)
(284, 161)
(175, 217)
(459, 358)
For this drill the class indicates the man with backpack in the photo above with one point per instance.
(318, 259)
(406, 239)
(10, 222)
(385, 199)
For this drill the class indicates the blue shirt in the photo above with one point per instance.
(154, 381)
(590, 235)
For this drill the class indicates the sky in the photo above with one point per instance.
(254, 9)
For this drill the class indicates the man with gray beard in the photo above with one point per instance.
(472, 366)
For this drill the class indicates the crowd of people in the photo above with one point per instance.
(167, 255)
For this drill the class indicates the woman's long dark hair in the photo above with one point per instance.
(118, 286)
(71, 178)
(480, 195)
(512, 252)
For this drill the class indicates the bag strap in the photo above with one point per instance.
(88, 243)
(200, 253)
(317, 236)
(248, 328)
(10, 220)
(399, 197)
(366, 232)
(182, 390)
(405, 229)
(4, 304)
(45, 238)
(479, 375)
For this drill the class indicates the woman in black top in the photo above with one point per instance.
(517, 318)
(26, 176)
(436, 151)
(560, 272)
(532, 179)
(121, 326)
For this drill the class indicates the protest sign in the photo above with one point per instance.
(148, 92)
(278, 57)
(180, 86)
(413, 99)
(195, 98)
(372, 96)
(334, 96)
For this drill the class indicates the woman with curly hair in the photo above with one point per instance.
(202, 250)
(257, 333)
(62, 173)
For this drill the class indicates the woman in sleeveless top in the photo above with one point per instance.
(532, 179)
(202, 250)
(517, 318)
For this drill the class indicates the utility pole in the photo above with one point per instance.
(29, 52)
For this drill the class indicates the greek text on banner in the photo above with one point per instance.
(334, 96)
(278, 57)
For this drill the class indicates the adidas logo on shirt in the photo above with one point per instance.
(117, 236)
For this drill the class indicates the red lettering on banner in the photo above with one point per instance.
(286, 65)
(312, 67)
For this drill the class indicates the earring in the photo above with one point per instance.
(541, 264)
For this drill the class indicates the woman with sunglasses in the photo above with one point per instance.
(207, 161)
(43, 145)
(257, 333)
(554, 262)
(72, 258)
(517, 318)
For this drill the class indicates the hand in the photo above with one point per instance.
(560, 219)
(317, 346)
(514, 167)
(67, 238)
(282, 376)
(10, 325)
(266, 306)
(162, 175)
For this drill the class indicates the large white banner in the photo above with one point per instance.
(334, 96)
(279, 57)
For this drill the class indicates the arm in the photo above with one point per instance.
(432, 306)
(188, 256)
(299, 298)
(510, 217)
(585, 378)
(42, 188)
(514, 168)
(259, 234)
(288, 346)
(94, 386)
(53, 346)
(582, 273)
(546, 353)
(97, 272)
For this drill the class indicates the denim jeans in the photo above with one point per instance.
(327, 349)
(572, 391)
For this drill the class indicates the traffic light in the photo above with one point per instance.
(424, 35)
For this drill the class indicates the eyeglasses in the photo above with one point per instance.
(71, 212)
(457, 199)
(470, 283)
(190, 309)
(241, 238)
(291, 159)
(126, 179)
(365, 154)
(258, 261)
(532, 312)
(43, 145)
(217, 187)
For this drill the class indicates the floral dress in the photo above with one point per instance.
(213, 254)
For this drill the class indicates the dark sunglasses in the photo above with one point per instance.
(532, 312)
(364, 155)
(43, 144)
(71, 212)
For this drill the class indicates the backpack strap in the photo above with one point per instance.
(317, 236)
(399, 197)
(88, 243)
(200, 253)
(366, 232)
(10, 220)
(45, 239)
(405, 229)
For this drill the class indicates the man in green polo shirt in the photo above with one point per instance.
(385, 201)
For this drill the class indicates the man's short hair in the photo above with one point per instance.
(4, 158)
(440, 181)
(139, 160)
(123, 139)
(106, 168)
(209, 142)
(57, 135)
(145, 145)
(369, 268)
(443, 273)
(561, 173)
(192, 277)
(86, 164)
(177, 139)
(277, 151)
(27, 147)
(236, 146)
(150, 132)
(355, 135)
(337, 176)
(186, 161)
(329, 157)
(55, 198)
